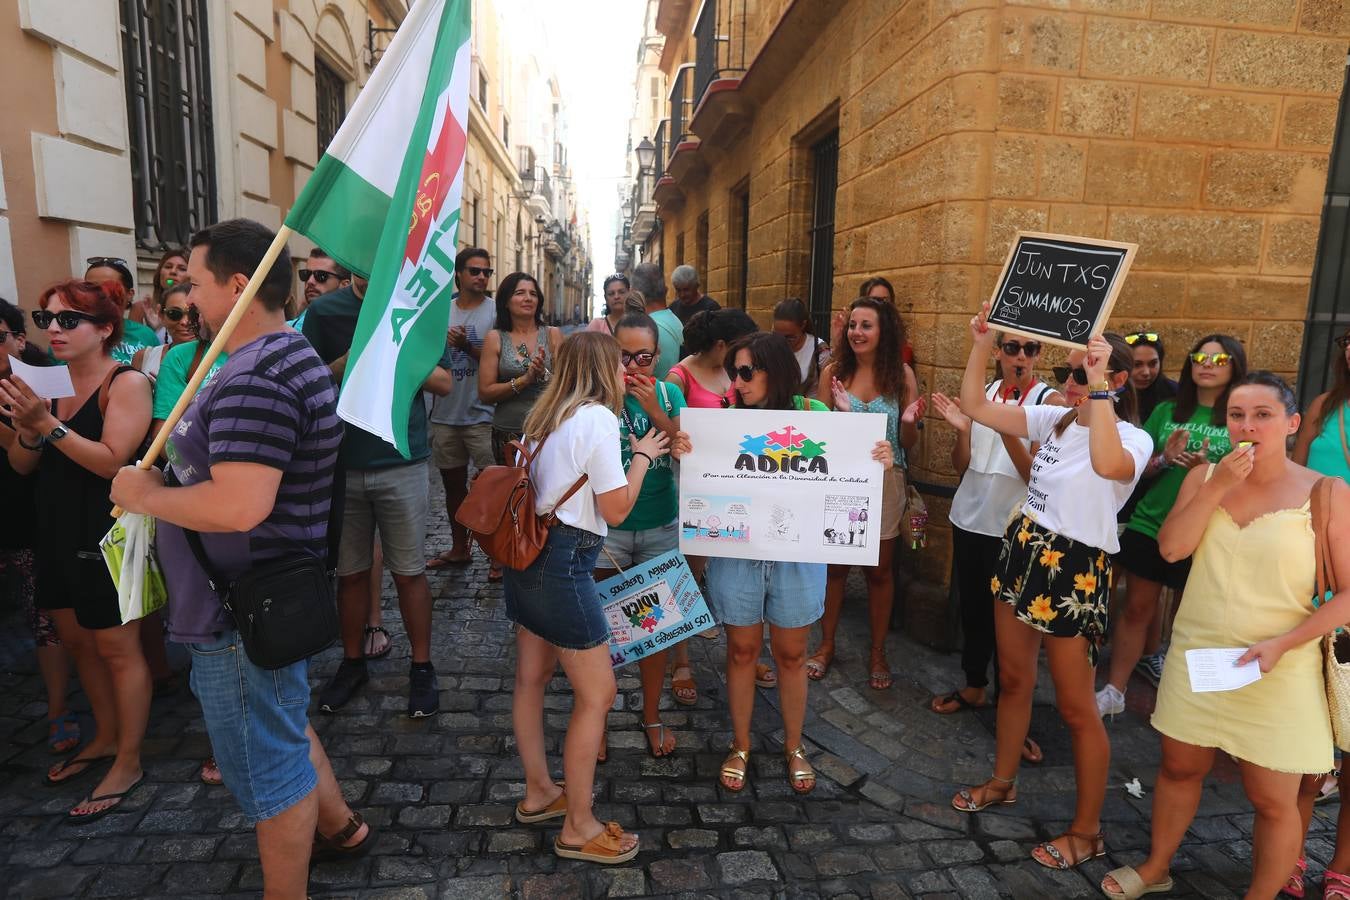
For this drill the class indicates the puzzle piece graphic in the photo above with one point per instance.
(779, 454)
(755, 446)
(787, 438)
(810, 449)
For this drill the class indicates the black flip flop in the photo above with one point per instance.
(74, 760)
(95, 816)
(962, 704)
(388, 642)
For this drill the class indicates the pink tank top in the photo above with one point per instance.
(696, 394)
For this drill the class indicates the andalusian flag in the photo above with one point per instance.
(384, 201)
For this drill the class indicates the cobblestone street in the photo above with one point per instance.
(441, 791)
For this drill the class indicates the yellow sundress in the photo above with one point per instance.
(1247, 585)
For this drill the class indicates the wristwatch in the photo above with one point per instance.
(57, 433)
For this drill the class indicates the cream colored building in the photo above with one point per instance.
(131, 123)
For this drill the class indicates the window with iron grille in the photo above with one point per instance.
(330, 94)
(824, 186)
(482, 90)
(1329, 295)
(506, 131)
(168, 85)
(738, 230)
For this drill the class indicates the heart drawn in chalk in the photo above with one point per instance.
(1078, 327)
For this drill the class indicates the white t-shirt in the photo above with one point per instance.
(992, 489)
(1065, 496)
(807, 353)
(586, 443)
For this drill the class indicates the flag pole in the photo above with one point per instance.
(217, 345)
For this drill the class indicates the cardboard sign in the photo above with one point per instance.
(1058, 288)
(782, 485)
(652, 607)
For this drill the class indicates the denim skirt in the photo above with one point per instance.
(555, 598)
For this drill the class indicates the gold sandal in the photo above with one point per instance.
(1002, 793)
(741, 774)
(797, 777)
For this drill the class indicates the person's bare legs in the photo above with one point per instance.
(1276, 836)
(151, 628)
(333, 813)
(1176, 797)
(652, 671)
(1340, 862)
(284, 844)
(1142, 606)
(353, 609)
(789, 654)
(1073, 675)
(414, 602)
(743, 646)
(836, 578)
(456, 484)
(593, 690)
(536, 661)
(54, 664)
(96, 681)
(880, 601)
(1018, 651)
(120, 650)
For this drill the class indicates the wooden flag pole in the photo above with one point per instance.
(217, 345)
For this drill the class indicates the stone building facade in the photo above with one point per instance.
(139, 121)
(808, 146)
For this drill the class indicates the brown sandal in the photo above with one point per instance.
(683, 690)
(605, 848)
(1003, 793)
(881, 677)
(555, 810)
(334, 846)
(1054, 859)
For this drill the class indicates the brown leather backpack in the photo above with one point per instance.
(499, 510)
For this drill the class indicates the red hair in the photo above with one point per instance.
(103, 301)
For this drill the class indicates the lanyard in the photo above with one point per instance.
(1003, 395)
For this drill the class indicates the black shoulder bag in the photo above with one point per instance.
(285, 609)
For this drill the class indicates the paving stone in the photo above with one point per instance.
(675, 875)
(948, 853)
(562, 886)
(623, 883)
(125, 881)
(200, 878)
(691, 838)
(494, 887)
(832, 863)
(745, 866)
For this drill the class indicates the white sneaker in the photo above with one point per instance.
(1110, 702)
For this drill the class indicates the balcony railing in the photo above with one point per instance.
(662, 141)
(719, 42)
(681, 107)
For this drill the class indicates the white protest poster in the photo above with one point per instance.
(781, 485)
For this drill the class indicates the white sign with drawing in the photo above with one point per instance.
(781, 485)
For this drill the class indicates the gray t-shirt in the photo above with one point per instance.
(462, 406)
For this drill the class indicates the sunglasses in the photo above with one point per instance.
(5, 335)
(1218, 359)
(643, 358)
(96, 261)
(1012, 348)
(1148, 337)
(1079, 374)
(68, 319)
(318, 275)
(1343, 341)
(176, 313)
(745, 373)
(477, 271)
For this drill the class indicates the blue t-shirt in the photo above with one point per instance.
(273, 404)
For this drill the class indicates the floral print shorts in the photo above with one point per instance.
(1056, 585)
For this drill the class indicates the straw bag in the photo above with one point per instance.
(1335, 646)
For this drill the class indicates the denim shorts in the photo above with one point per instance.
(397, 499)
(751, 591)
(555, 597)
(256, 719)
(633, 548)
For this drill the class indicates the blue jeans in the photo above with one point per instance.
(555, 596)
(256, 719)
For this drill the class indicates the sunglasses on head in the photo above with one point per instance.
(94, 262)
(1147, 337)
(1079, 374)
(1218, 359)
(642, 358)
(68, 319)
(745, 373)
(318, 275)
(476, 271)
(1012, 348)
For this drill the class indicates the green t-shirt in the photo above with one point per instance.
(173, 376)
(135, 336)
(806, 405)
(659, 501)
(1158, 501)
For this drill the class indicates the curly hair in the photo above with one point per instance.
(888, 367)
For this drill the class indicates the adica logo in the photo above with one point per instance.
(786, 450)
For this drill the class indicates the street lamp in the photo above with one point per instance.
(646, 155)
(527, 181)
(628, 209)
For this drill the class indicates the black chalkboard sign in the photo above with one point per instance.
(1059, 288)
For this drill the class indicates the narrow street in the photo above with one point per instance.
(442, 791)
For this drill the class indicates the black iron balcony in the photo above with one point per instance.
(719, 44)
(681, 108)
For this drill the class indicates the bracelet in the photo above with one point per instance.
(1101, 395)
(41, 441)
(514, 389)
(1101, 386)
(650, 462)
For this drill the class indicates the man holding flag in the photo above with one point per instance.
(384, 202)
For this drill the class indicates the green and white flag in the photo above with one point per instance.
(384, 201)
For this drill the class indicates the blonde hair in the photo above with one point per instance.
(586, 370)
